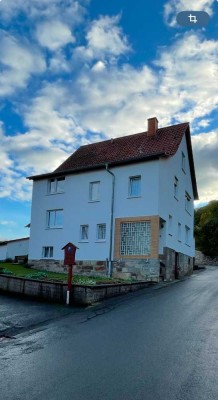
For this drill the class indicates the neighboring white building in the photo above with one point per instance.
(14, 248)
(126, 203)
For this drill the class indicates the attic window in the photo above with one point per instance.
(94, 191)
(135, 186)
(183, 162)
(56, 185)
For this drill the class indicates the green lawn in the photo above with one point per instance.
(20, 270)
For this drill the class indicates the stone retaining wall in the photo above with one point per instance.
(82, 295)
(201, 259)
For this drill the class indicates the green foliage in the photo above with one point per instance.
(36, 275)
(206, 229)
(6, 271)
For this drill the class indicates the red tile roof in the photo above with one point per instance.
(126, 148)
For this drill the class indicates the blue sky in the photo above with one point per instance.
(73, 72)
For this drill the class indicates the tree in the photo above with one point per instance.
(206, 229)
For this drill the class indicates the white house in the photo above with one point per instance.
(126, 203)
(14, 248)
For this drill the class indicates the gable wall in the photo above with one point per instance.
(169, 205)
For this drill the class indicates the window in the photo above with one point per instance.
(183, 162)
(170, 225)
(176, 187)
(179, 232)
(187, 202)
(56, 185)
(134, 186)
(187, 235)
(94, 191)
(54, 218)
(84, 232)
(101, 231)
(47, 252)
(135, 238)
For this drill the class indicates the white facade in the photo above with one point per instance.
(3, 252)
(13, 248)
(173, 206)
(156, 199)
(79, 210)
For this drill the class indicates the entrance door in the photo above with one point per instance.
(176, 266)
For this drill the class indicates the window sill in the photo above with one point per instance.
(134, 197)
(53, 227)
(83, 241)
(93, 201)
(100, 241)
(184, 171)
(52, 194)
(179, 241)
(187, 244)
(176, 198)
(47, 258)
(170, 234)
(188, 212)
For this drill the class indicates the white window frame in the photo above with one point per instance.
(183, 162)
(50, 250)
(188, 202)
(137, 178)
(55, 181)
(187, 235)
(170, 225)
(98, 233)
(179, 232)
(84, 231)
(92, 196)
(48, 219)
(176, 187)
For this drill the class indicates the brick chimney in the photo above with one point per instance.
(152, 126)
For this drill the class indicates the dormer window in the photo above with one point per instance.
(56, 185)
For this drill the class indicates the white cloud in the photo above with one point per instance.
(54, 35)
(71, 11)
(173, 7)
(18, 63)
(205, 148)
(104, 38)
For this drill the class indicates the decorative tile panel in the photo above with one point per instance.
(135, 238)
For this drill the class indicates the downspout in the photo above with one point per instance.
(112, 220)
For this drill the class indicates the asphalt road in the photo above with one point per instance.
(153, 344)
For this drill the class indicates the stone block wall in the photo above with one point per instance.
(146, 270)
(168, 261)
(201, 259)
(88, 268)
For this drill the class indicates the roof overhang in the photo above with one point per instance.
(96, 167)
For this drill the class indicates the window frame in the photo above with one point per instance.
(131, 179)
(50, 249)
(187, 236)
(55, 181)
(170, 225)
(98, 239)
(81, 233)
(48, 213)
(179, 232)
(187, 202)
(183, 162)
(176, 187)
(91, 185)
